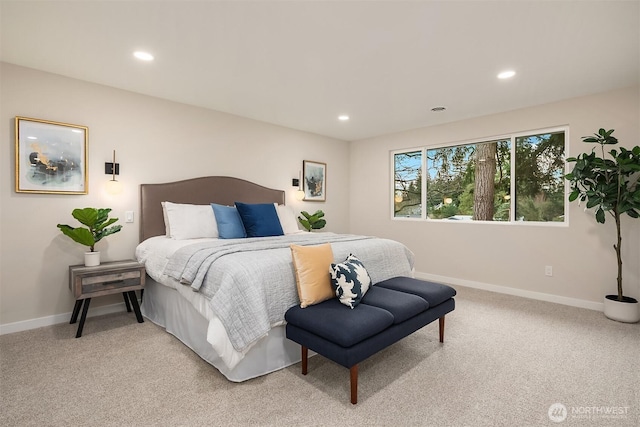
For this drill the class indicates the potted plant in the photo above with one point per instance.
(312, 222)
(610, 185)
(97, 222)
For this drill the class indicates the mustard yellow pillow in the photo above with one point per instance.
(311, 264)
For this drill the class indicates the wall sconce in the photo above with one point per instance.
(297, 182)
(113, 186)
(398, 198)
(448, 200)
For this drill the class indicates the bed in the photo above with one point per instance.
(225, 298)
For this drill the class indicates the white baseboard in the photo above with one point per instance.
(574, 302)
(114, 308)
(25, 325)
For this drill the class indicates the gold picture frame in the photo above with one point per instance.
(314, 181)
(51, 157)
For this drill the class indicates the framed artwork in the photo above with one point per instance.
(314, 181)
(51, 157)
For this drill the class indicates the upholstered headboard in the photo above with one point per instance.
(223, 190)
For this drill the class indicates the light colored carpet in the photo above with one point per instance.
(504, 362)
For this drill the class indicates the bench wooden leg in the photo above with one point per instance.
(305, 354)
(354, 384)
(441, 322)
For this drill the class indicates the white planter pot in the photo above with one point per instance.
(91, 259)
(627, 311)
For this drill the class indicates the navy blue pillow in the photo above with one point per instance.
(260, 219)
(229, 222)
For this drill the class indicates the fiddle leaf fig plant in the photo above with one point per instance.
(312, 222)
(97, 222)
(610, 184)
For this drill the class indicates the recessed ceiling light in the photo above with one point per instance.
(343, 118)
(506, 74)
(144, 56)
(438, 109)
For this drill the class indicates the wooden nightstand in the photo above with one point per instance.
(108, 278)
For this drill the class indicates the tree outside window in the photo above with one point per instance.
(539, 177)
(407, 195)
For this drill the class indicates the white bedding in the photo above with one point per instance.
(164, 307)
(154, 253)
(157, 252)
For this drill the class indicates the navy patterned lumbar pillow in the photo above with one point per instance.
(350, 280)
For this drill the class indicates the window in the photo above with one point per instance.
(540, 177)
(515, 178)
(469, 181)
(407, 198)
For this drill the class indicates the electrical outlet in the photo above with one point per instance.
(128, 216)
(548, 270)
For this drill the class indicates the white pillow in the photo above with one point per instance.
(185, 221)
(167, 230)
(288, 219)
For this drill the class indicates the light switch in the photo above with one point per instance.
(128, 216)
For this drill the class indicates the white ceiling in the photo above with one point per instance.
(300, 64)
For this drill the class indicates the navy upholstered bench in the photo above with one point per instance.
(389, 311)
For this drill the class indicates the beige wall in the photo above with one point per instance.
(159, 141)
(156, 141)
(508, 257)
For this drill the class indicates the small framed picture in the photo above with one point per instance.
(314, 177)
(51, 157)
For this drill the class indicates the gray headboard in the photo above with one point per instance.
(223, 190)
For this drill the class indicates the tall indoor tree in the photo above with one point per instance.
(611, 185)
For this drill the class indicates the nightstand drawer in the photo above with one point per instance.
(105, 282)
(105, 279)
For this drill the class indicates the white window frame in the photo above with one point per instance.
(512, 211)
